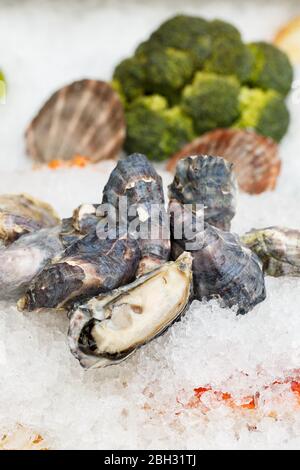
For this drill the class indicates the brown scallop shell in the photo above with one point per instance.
(84, 118)
(255, 157)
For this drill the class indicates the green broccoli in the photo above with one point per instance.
(264, 111)
(155, 129)
(219, 28)
(185, 33)
(167, 72)
(129, 77)
(271, 68)
(229, 56)
(211, 101)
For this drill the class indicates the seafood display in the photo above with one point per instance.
(208, 181)
(255, 158)
(278, 248)
(85, 118)
(135, 179)
(108, 329)
(222, 267)
(90, 266)
(21, 214)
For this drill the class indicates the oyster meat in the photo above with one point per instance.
(21, 214)
(255, 158)
(222, 267)
(88, 267)
(136, 180)
(84, 118)
(109, 328)
(207, 181)
(278, 248)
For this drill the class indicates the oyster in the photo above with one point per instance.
(108, 329)
(25, 258)
(84, 118)
(255, 158)
(21, 214)
(135, 179)
(278, 248)
(208, 181)
(88, 267)
(222, 267)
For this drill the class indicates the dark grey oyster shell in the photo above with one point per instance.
(222, 267)
(21, 214)
(278, 248)
(135, 178)
(88, 267)
(108, 329)
(209, 181)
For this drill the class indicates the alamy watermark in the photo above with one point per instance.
(146, 221)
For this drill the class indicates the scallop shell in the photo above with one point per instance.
(108, 329)
(84, 118)
(255, 157)
(21, 214)
(288, 39)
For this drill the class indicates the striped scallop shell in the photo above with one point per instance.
(84, 118)
(255, 157)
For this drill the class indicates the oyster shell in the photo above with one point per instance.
(135, 179)
(84, 118)
(208, 181)
(255, 157)
(222, 267)
(108, 329)
(21, 214)
(278, 248)
(88, 267)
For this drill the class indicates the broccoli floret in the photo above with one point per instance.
(219, 28)
(129, 77)
(264, 111)
(212, 101)
(156, 130)
(185, 33)
(229, 56)
(271, 68)
(167, 72)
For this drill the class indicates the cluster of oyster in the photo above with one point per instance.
(121, 289)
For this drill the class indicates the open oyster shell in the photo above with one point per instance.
(21, 214)
(255, 158)
(135, 180)
(88, 267)
(84, 118)
(222, 267)
(208, 181)
(108, 329)
(278, 248)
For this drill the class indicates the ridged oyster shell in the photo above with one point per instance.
(88, 267)
(108, 329)
(21, 214)
(255, 158)
(278, 248)
(209, 181)
(135, 179)
(222, 267)
(84, 118)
